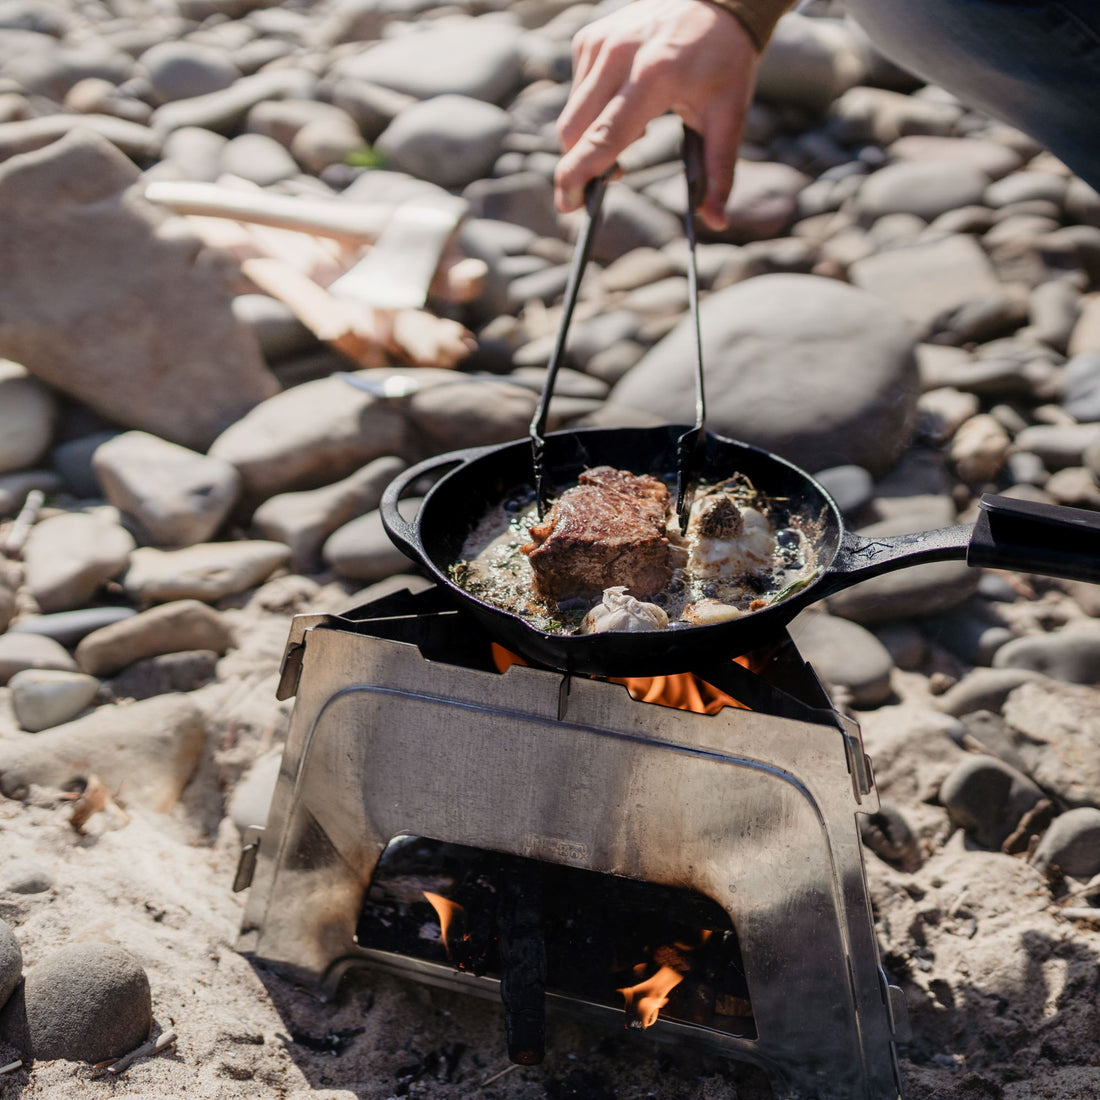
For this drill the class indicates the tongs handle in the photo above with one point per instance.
(691, 446)
(593, 200)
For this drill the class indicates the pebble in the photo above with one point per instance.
(174, 496)
(42, 698)
(169, 672)
(992, 158)
(310, 436)
(525, 199)
(11, 962)
(196, 153)
(987, 798)
(629, 221)
(361, 550)
(258, 159)
(979, 449)
(24, 651)
(70, 556)
(27, 414)
(15, 487)
(7, 605)
(967, 633)
(944, 410)
(151, 746)
(1059, 445)
(85, 1002)
(888, 835)
(450, 140)
(1072, 844)
(464, 414)
(182, 70)
(904, 642)
(852, 487)
(863, 374)
(879, 115)
(930, 279)
(168, 628)
(1058, 728)
(224, 111)
(846, 655)
(1070, 656)
(479, 58)
(73, 460)
(925, 188)
(304, 520)
(984, 689)
(25, 877)
(206, 571)
(68, 627)
(1081, 397)
(1075, 486)
(1025, 186)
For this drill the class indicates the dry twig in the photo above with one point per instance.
(146, 1050)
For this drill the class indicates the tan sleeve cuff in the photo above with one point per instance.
(758, 17)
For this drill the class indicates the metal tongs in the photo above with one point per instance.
(691, 446)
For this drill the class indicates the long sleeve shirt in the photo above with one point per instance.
(758, 17)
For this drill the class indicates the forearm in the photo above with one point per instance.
(758, 17)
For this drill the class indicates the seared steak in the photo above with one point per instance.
(609, 530)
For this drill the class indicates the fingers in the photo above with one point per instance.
(622, 121)
(721, 131)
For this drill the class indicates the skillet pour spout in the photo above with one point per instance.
(1009, 534)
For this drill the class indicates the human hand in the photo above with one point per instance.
(642, 60)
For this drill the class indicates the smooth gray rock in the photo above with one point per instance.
(1070, 656)
(361, 550)
(70, 556)
(1057, 729)
(23, 651)
(196, 153)
(86, 1002)
(27, 415)
(74, 459)
(175, 496)
(525, 199)
(994, 158)
(168, 628)
(42, 698)
(150, 343)
(15, 487)
(11, 962)
(811, 61)
(478, 58)
(225, 111)
(1059, 445)
(852, 487)
(1072, 844)
(450, 140)
(26, 877)
(371, 106)
(984, 689)
(152, 746)
(206, 571)
(469, 414)
(1024, 186)
(257, 158)
(967, 633)
(310, 436)
(929, 279)
(182, 70)
(800, 365)
(7, 604)
(881, 116)
(164, 674)
(987, 798)
(845, 654)
(277, 329)
(1081, 398)
(914, 590)
(629, 221)
(68, 627)
(926, 188)
(304, 520)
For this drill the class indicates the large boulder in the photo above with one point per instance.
(114, 304)
(815, 370)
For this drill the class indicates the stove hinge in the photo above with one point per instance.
(290, 672)
(246, 862)
(859, 763)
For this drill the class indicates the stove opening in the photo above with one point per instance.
(645, 950)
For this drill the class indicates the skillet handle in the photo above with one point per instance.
(1037, 538)
(1049, 539)
(403, 534)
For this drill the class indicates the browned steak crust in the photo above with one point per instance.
(608, 530)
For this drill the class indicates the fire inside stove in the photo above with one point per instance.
(653, 951)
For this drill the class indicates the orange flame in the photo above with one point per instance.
(645, 1000)
(683, 691)
(446, 911)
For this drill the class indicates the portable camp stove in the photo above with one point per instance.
(403, 729)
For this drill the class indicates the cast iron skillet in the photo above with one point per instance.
(1010, 534)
